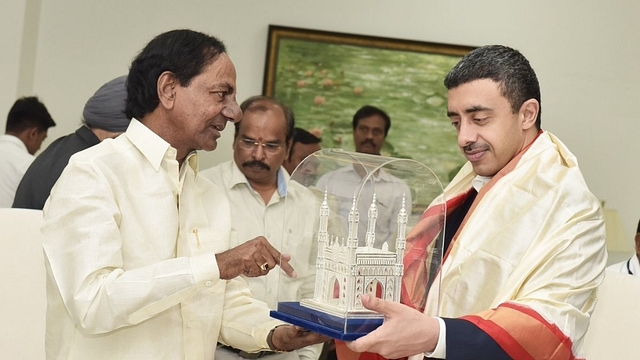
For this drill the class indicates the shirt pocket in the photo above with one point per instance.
(208, 240)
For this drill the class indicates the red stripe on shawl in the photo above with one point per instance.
(507, 342)
(419, 240)
(344, 353)
(414, 280)
(415, 274)
(522, 333)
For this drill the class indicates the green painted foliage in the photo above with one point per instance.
(325, 84)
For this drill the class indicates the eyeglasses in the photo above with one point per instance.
(248, 144)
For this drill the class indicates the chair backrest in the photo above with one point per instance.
(615, 323)
(22, 285)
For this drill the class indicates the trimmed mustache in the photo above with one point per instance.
(256, 163)
(475, 146)
(368, 141)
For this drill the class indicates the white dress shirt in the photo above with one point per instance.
(389, 190)
(289, 224)
(631, 266)
(289, 227)
(130, 243)
(14, 162)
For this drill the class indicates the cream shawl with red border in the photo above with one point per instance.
(528, 257)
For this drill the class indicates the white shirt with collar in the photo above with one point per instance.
(287, 221)
(14, 162)
(389, 190)
(130, 243)
(288, 225)
(631, 266)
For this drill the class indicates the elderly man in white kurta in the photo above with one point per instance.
(139, 264)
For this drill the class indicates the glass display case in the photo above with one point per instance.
(359, 209)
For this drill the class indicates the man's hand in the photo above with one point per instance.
(253, 258)
(289, 337)
(404, 332)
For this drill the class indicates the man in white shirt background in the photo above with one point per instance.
(27, 124)
(370, 129)
(256, 184)
(102, 118)
(632, 265)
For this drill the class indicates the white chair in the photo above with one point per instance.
(615, 323)
(22, 285)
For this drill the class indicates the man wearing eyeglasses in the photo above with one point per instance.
(256, 184)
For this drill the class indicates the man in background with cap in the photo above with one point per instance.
(103, 118)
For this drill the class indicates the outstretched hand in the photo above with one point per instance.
(404, 332)
(254, 258)
(290, 337)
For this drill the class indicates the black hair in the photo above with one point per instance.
(367, 111)
(28, 112)
(302, 136)
(507, 67)
(183, 52)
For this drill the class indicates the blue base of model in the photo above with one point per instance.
(346, 329)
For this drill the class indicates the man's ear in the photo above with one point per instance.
(529, 113)
(31, 139)
(33, 133)
(167, 83)
(289, 146)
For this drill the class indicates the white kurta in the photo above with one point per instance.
(130, 241)
(14, 162)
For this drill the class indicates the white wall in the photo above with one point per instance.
(11, 28)
(585, 53)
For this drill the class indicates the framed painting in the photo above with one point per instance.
(325, 77)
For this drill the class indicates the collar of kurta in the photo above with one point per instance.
(237, 177)
(14, 140)
(155, 148)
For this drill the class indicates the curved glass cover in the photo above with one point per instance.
(354, 217)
